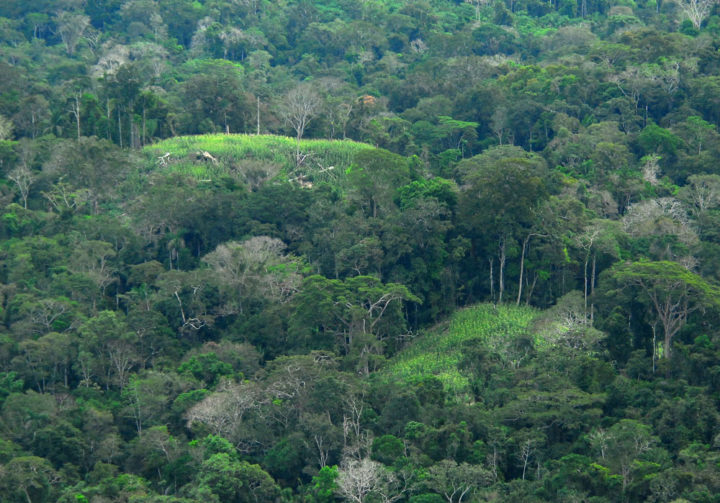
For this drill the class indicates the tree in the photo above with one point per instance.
(600, 237)
(233, 481)
(23, 414)
(672, 292)
(324, 485)
(662, 224)
(456, 481)
(696, 10)
(224, 411)
(375, 176)
(254, 270)
(6, 128)
(149, 397)
(23, 177)
(702, 192)
(28, 479)
(71, 27)
(110, 348)
(360, 313)
(87, 164)
(216, 98)
(624, 447)
(47, 360)
(297, 109)
(358, 480)
(95, 258)
(503, 188)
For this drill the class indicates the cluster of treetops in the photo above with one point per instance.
(170, 339)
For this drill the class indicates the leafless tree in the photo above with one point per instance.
(95, 258)
(46, 312)
(298, 108)
(255, 268)
(123, 357)
(23, 178)
(702, 192)
(654, 218)
(223, 412)
(696, 10)
(6, 128)
(360, 479)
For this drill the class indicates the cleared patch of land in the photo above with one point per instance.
(438, 351)
(217, 155)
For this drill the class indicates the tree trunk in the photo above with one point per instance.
(501, 278)
(76, 112)
(120, 128)
(528, 296)
(592, 289)
(107, 113)
(492, 282)
(585, 286)
(522, 268)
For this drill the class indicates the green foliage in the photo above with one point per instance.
(439, 352)
(324, 485)
(222, 478)
(206, 367)
(387, 449)
(192, 316)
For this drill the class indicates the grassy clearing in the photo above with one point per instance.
(438, 352)
(236, 153)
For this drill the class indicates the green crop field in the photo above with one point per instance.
(321, 160)
(438, 351)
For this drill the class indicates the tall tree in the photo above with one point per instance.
(501, 194)
(297, 109)
(671, 291)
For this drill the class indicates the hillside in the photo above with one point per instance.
(328, 251)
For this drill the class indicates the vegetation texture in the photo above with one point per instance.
(374, 251)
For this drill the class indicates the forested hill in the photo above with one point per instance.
(369, 251)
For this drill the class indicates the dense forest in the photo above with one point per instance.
(370, 251)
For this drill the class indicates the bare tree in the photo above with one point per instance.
(658, 218)
(6, 128)
(255, 268)
(696, 10)
(360, 479)
(96, 259)
(702, 192)
(123, 357)
(301, 104)
(223, 412)
(23, 178)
